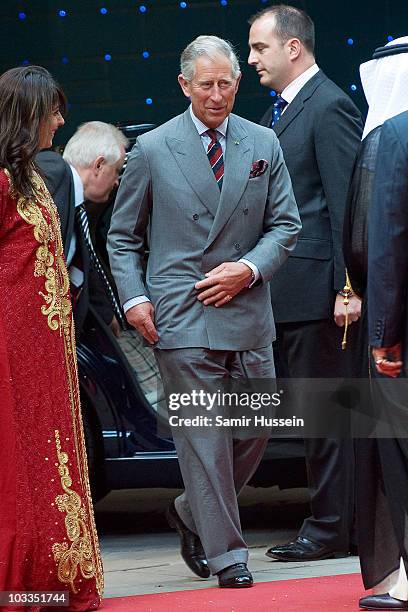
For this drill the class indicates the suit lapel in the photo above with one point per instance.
(297, 104)
(189, 153)
(237, 166)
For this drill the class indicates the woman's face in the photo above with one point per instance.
(48, 127)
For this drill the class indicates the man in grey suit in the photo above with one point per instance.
(319, 129)
(215, 195)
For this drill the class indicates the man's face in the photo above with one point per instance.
(212, 89)
(103, 178)
(269, 56)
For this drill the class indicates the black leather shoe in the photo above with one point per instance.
(382, 602)
(191, 548)
(300, 549)
(235, 576)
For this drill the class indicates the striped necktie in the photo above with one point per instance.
(83, 223)
(214, 154)
(278, 106)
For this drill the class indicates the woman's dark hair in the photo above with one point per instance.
(28, 95)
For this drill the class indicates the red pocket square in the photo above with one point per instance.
(258, 168)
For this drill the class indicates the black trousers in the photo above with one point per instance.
(312, 349)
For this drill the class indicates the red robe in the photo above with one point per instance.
(48, 540)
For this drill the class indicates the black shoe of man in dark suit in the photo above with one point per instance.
(191, 548)
(300, 549)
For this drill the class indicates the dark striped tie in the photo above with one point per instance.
(279, 105)
(82, 220)
(214, 154)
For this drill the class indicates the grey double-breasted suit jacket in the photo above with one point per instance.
(169, 190)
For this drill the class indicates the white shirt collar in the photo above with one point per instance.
(78, 187)
(291, 91)
(201, 127)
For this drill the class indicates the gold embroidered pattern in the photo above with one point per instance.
(83, 553)
(78, 555)
(57, 306)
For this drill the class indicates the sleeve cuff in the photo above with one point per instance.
(257, 274)
(135, 302)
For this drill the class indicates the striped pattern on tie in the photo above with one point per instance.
(214, 154)
(82, 220)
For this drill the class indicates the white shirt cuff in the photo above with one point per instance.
(135, 302)
(254, 270)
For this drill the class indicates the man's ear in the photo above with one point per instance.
(294, 47)
(98, 163)
(184, 84)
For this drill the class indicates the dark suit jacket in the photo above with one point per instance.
(58, 178)
(388, 238)
(319, 134)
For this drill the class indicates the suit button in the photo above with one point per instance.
(196, 217)
(245, 211)
(237, 246)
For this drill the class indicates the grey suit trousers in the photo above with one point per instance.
(215, 467)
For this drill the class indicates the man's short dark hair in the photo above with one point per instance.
(291, 22)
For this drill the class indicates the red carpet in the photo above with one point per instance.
(331, 593)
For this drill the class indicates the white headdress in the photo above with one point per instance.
(385, 83)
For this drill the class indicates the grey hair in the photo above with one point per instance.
(209, 46)
(93, 139)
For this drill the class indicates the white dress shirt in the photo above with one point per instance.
(291, 91)
(75, 274)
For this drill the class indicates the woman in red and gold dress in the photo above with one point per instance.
(48, 540)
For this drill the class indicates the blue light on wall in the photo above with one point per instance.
(142, 8)
(64, 60)
(103, 11)
(25, 62)
(108, 57)
(272, 93)
(149, 101)
(183, 5)
(223, 2)
(145, 54)
(22, 16)
(62, 13)
(353, 87)
(390, 38)
(350, 41)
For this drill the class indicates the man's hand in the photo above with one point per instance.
(223, 283)
(388, 360)
(115, 327)
(141, 317)
(353, 309)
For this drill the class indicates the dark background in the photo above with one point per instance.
(73, 48)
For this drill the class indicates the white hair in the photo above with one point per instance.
(93, 139)
(209, 46)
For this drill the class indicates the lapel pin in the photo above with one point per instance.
(236, 142)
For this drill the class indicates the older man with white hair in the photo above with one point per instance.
(215, 193)
(93, 157)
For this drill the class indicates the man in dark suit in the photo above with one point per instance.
(319, 130)
(93, 159)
